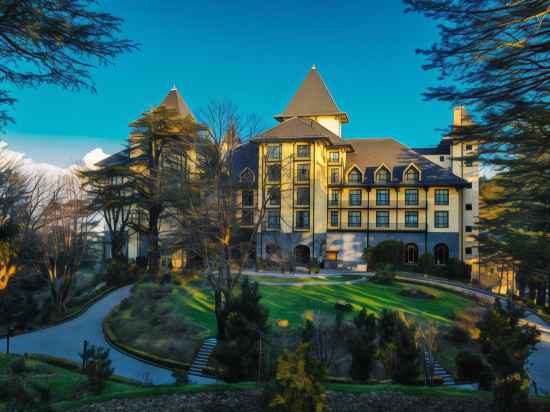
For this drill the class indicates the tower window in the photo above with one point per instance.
(441, 158)
(468, 206)
(468, 250)
(468, 228)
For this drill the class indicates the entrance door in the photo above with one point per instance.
(301, 254)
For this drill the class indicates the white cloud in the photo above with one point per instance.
(48, 171)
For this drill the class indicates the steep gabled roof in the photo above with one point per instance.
(312, 99)
(174, 100)
(117, 159)
(370, 153)
(297, 128)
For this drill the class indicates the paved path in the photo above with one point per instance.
(65, 341)
(538, 363)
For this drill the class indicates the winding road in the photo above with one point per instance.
(65, 341)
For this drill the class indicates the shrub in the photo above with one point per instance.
(363, 347)
(417, 293)
(97, 367)
(18, 366)
(388, 252)
(385, 276)
(425, 263)
(459, 335)
(469, 366)
(298, 380)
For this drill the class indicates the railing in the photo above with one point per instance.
(346, 204)
(401, 227)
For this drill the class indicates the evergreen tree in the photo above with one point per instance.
(363, 345)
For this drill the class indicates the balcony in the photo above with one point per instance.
(395, 227)
(345, 204)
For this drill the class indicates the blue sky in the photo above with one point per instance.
(253, 53)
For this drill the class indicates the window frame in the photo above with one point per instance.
(278, 189)
(270, 167)
(387, 173)
(335, 171)
(356, 220)
(357, 173)
(302, 190)
(271, 214)
(248, 212)
(337, 157)
(268, 152)
(302, 213)
(331, 198)
(437, 221)
(379, 222)
(441, 200)
(331, 220)
(352, 194)
(299, 176)
(379, 201)
(409, 213)
(251, 193)
(416, 172)
(302, 146)
(416, 196)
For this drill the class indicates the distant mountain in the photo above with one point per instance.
(48, 171)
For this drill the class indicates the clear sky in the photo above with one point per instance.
(254, 53)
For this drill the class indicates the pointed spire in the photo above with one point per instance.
(312, 99)
(174, 100)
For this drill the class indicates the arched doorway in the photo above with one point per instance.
(301, 254)
(441, 254)
(411, 254)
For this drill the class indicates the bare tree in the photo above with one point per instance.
(62, 238)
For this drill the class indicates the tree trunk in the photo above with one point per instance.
(153, 256)
(220, 318)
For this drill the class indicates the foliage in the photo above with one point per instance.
(387, 252)
(385, 276)
(247, 321)
(507, 345)
(459, 335)
(298, 378)
(363, 346)
(469, 366)
(399, 348)
(97, 367)
(314, 266)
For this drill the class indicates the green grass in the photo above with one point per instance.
(194, 302)
(62, 382)
(304, 279)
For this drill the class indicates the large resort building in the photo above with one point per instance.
(330, 197)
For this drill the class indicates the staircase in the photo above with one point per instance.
(439, 372)
(195, 374)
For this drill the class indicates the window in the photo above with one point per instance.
(441, 158)
(354, 218)
(411, 175)
(302, 196)
(273, 219)
(334, 218)
(441, 254)
(302, 219)
(274, 152)
(247, 198)
(354, 176)
(468, 147)
(441, 219)
(383, 175)
(382, 197)
(302, 172)
(411, 197)
(411, 253)
(468, 250)
(247, 176)
(468, 206)
(442, 196)
(274, 173)
(274, 194)
(303, 151)
(355, 198)
(334, 198)
(411, 218)
(334, 157)
(382, 218)
(468, 162)
(248, 217)
(468, 228)
(334, 176)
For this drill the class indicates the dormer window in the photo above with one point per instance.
(382, 175)
(412, 175)
(355, 176)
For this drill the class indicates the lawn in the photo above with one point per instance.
(194, 301)
(306, 279)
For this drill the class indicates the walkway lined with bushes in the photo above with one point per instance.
(66, 341)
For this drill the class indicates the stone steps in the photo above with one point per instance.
(440, 372)
(195, 373)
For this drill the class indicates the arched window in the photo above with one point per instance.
(355, 176)
(411, 175)
(441, 254)
(382, 175)
(411, 254)
(247, 176)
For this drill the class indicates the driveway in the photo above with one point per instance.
(66, 340)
